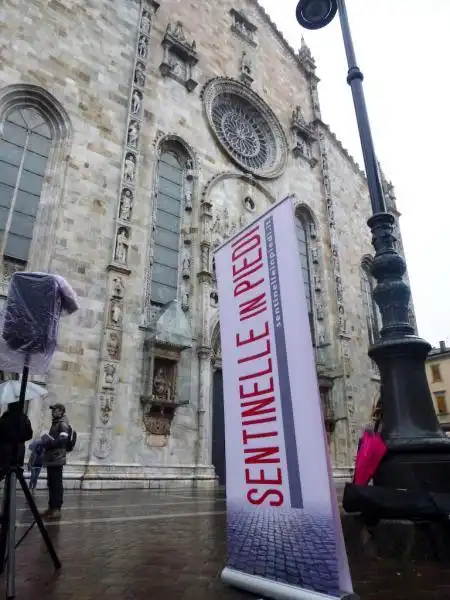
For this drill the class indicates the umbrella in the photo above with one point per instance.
(10, 390)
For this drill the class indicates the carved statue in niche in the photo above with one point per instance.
(297, 115)
(317, 282)
(320, 311)
(126, 201)
(118, 287)
(185, 301)
(121, 254)
(115, 314)
(146, 22)
(312, 230)
(136, 102)
(142, 47)
(315, 255)
(162, 388)
(188, 200)
(109, 374)
(113, 346)
(246, 65)
(177, 68)
(106, 404)
(204, 258)
(133, 134)
(214, 299)
(186, 267)
(139, 74)
(129, 170)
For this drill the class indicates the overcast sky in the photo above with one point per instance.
(402, 47)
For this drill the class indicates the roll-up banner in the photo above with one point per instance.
(285, 538)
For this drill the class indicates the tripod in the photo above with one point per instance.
(8, 518)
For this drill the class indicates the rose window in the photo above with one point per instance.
(245, 127)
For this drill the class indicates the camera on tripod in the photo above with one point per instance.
(29, 327)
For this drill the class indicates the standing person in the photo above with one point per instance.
(55, 444)
(35, 462)
(9, 435)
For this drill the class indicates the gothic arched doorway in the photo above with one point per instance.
(218, 420)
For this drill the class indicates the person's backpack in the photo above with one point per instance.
(72, 440)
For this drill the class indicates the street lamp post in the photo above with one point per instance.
(419, 452)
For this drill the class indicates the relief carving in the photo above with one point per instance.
(129, 170)
(139, 75)
(180, 56)
(246, 69)
(126, 202)
(109, 375)
(122, 242)
(115, 313)
(186, 267)
(106, 405)
(103, 445)
(133, 134)
(136, 102)
(118, 288)
(113, 345)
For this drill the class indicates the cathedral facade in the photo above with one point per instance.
(135, 137)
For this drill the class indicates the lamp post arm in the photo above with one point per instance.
(355, 79)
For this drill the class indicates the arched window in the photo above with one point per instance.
(169, 201)
(25, 144)
(371, 311)
(302, 227)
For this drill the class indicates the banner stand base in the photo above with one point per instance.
(275, 589)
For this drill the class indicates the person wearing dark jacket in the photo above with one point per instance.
(55, 452)
(8, 436)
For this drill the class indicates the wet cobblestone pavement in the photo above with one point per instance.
(145, 545)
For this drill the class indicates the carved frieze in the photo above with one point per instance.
(180, 56)
(243, 27)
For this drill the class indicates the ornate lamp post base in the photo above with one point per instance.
(419, 451)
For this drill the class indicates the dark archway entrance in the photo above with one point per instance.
(218, 428)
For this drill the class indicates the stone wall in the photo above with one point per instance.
(84, 55)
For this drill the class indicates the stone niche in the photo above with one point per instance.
(167, 337)
(180, 57)
(161, 399)
(303, 137)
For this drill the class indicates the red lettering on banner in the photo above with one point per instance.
(252, 337)
(246, 265)
(258, 405)
(246, 437)
(256, 390)
(259, 499)
(246, 286)
(262, 455)
(246, 234)
(266, 371)
(253, 307)
(262, 477)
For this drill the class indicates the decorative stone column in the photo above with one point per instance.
(118, 269)
(205, 280)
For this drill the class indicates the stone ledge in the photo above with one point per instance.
(401, 540)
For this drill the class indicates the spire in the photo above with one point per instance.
(305, 57)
